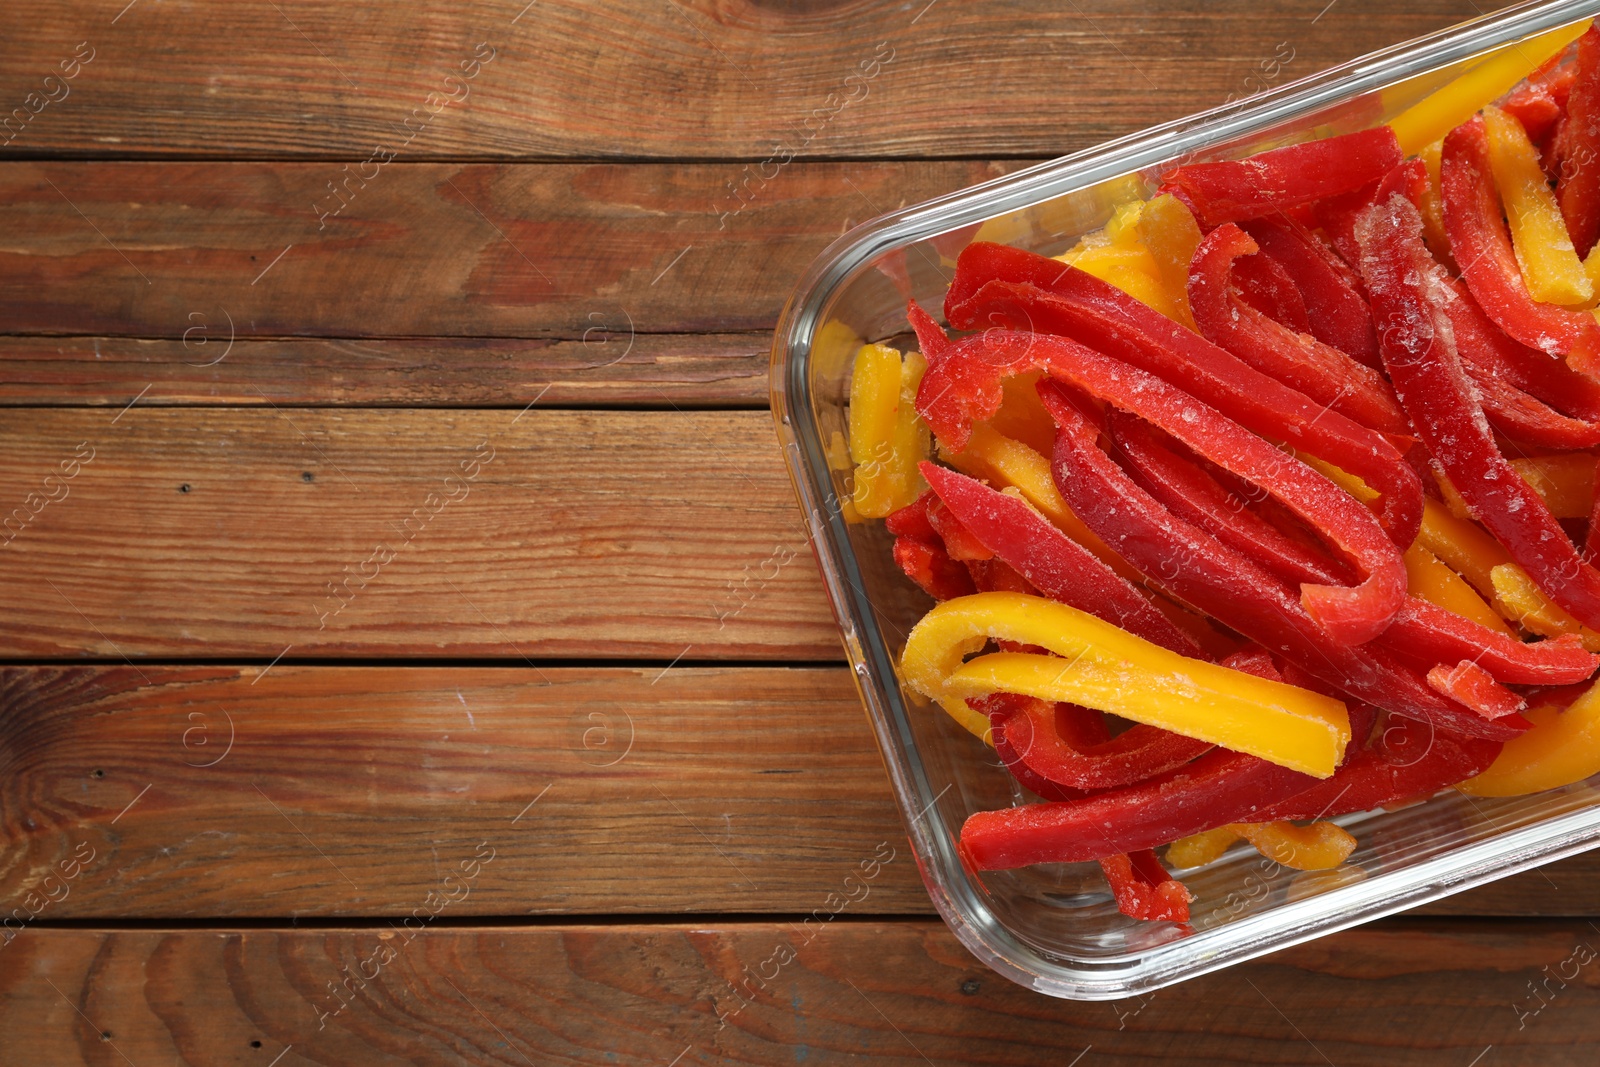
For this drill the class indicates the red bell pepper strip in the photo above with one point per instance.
(930, 335)
(1338, 314)
(1043, 737)
(1001, 707)
(1219, 787)
(995, 285)
(1429, 633)
(993, 575)
(931, 567)
(1542, 99)
(967, 383)
(1143, 889)
(1253, 659)
(1196, 497)
(1481, 242)
(1195, 568)
(1269, 182)
(1410, 759)
(1054, 563)
(1526, 395)
(1472, 685)
(1419, 351)
(1296, 359)
(959, 542)
(912, 520)
(1268, 289)
(1578, 191)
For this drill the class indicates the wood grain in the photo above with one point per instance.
(699, 79)
(1396, 994)
(355, 791)
(213, 791)
(608, 368)
(426, 250)
(258, 533)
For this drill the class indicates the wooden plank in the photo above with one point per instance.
(656, 81)
(213, 791)
(1395, 994)
(259, 533)
(425, 250)
(355, 791)
(607, 368)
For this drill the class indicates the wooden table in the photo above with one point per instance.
(394, 667)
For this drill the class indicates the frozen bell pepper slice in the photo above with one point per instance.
(966, 384)
(1298, 360)
(1269, 182)
(1143, 889)
(1563, 747)
(1550, 265)
(1339, 314)
(1107, 668)
(1482, 245)
(1579, 172)
(1058, 566)
(1420, 354)
(998, 286)
(1439, 113)
(1219, 787)
(1195, 568)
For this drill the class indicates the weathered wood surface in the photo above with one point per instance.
(608, 367)
(310, 791)
(424, 250)
(208, 533)
(214, 791)
(1396, 994)
(699, 79)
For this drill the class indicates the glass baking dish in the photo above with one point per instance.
(1054, 928)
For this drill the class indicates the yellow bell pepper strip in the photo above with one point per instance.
(1432, 207)
(1527, 604)
(1202, 848)
(887, 438)
(1563, 747)
(1318, 847)
(1462, 546)
(1430, 580)
(1564, 482)
(1445, 109)
(1550, 265)
(1109, 669)
(1022, 417)
(1169, 232)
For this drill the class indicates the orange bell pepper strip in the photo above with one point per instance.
(1564, 482)
(1550, 265)
(1170, 234)
(1563, 747)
